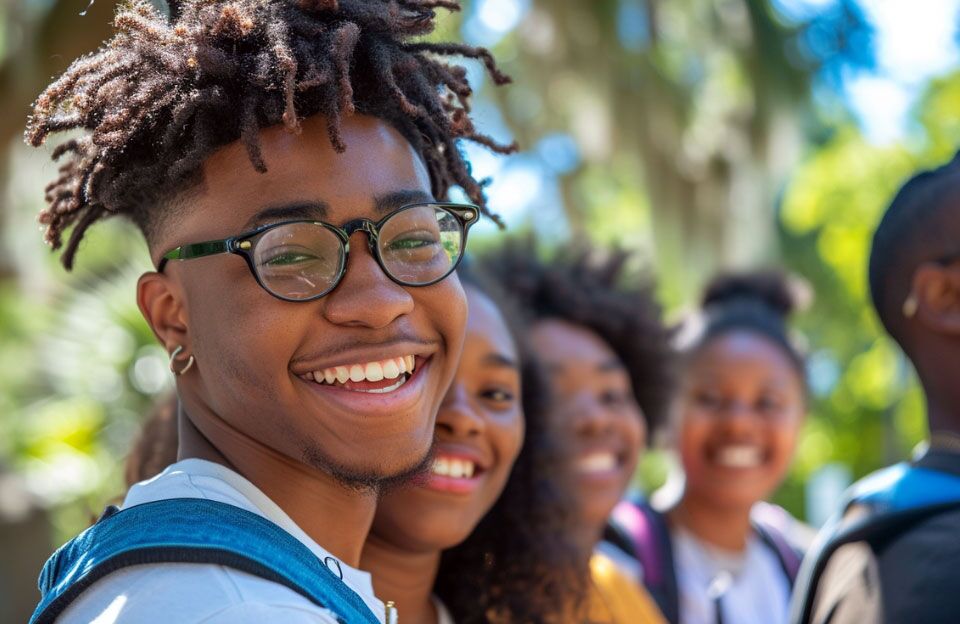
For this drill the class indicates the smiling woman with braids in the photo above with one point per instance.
(288, 163)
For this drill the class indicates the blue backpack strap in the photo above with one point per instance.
(894, 499)
(192, 530)
(652, 547)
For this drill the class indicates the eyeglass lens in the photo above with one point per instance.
(417, 246)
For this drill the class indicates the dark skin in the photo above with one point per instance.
(740, 408)
(318, 452)
(480, 419)
(597, 416)
(932, 339)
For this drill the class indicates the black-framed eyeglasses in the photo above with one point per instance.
(416, 245)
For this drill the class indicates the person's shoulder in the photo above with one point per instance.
(918, 570)
(190, 594)
(615, 597)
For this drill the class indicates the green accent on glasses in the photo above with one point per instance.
(416, 245)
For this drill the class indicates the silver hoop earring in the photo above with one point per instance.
(173, 357)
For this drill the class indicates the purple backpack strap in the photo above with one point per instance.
(770, 521)
(650, 537)
(634, 521)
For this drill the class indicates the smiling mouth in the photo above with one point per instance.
(378, 377)
(596, 463)
(740, 456)
(454, 467)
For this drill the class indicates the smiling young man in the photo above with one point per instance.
(891, 552)
(284, 160)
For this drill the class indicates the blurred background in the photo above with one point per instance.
(703, 134)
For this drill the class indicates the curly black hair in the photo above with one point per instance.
(165, 92)
(520, 564)
(593, 290)
(759, 301)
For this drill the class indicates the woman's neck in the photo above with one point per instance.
(404, 577)
(586, 536)
(335, 516)
(723, 527)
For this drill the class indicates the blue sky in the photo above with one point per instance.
(915, 40)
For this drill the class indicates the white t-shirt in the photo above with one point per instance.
(752, 583)
(443, 613)
(191, 593)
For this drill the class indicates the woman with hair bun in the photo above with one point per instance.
(718, 553)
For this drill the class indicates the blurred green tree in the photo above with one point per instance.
(695, 110)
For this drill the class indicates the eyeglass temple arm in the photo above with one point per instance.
(194, 250)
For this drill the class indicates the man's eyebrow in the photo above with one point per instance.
(500, 360)
(391, 201)
(310, 210)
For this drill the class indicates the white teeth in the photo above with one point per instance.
(389, 388)
(390, 369)
(374, 372)
(596, 462)
(453, 467)
(742, 456)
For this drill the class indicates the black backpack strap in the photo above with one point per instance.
(669, 593)
(870, 528)
(192, 530)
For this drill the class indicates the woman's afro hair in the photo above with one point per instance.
(583, 288)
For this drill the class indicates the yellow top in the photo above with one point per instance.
(614, 598)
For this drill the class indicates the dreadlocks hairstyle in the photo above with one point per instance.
(582, 287)
(919, 226)
(160, 96)
(759, 302)
(519, 564)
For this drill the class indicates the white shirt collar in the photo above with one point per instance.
(199, 478)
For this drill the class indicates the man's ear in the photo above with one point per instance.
(937, 291)
(162, 303)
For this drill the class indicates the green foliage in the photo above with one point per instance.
(867, 409)
(679, 138)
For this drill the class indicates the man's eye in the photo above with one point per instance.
(289, 258)
(410, 242)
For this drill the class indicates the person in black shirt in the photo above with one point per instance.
(892, 554)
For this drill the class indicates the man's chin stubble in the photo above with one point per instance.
(373, 480)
